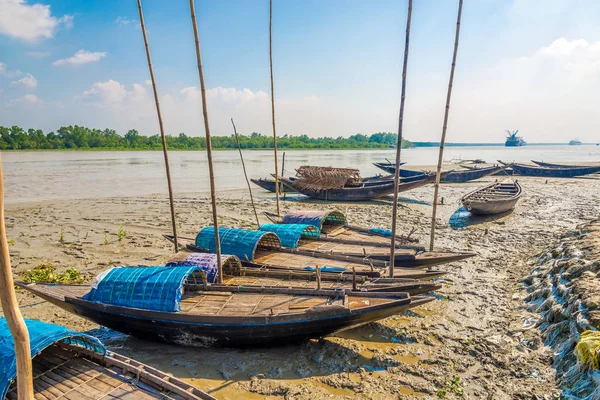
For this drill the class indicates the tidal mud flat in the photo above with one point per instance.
(468, 343)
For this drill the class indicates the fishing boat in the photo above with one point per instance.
(454, 176)
(334, 227)
(237, 275)
(531, 170)
(550, 165)
(496, 198)
(512, 140)
(364, 192)
(269, 185)
(171, 304)
(390, 168)
(73, 365)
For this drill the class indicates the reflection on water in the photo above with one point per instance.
(31, 176)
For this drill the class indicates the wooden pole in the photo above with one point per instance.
(273, 104)
(160, 124)
(399, 145)
(11, 310)
(237, 141)
(211, 172)
(283, 170)
(445, 126)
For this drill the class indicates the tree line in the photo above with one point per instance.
(79, 137)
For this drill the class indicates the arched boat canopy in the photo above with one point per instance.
(290, 234)
(207, 262)
(239, 242)
(324, 220)
(146, 288)
(41, 336)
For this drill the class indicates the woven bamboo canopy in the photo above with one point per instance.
(323, 178)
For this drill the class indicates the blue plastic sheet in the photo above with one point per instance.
(291, 234)
(146, 288)
(41, 335)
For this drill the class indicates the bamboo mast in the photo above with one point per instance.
(399, 145)
(10, 306)
(160, 124)
(273, 103)
(211, 172)
(237, 141)
(445, 126)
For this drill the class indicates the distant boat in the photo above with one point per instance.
(512, 140)
(575, 142)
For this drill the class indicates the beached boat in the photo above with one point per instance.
(171, 304)
(551, 165)
(73, 365)
(453, 176)
(496, 198)
(269, 185)
(363, 192)
(531, 170)
(390, 168)
(237, 275)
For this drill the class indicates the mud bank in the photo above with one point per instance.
(563, 292)
(467, 344)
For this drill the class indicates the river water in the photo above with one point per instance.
(37, 176)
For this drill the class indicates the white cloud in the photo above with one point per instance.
(38, 54)
(29, 22)
(80, 57)
(148, 82)
(9, 74)
(27, 81)
(123, 21)
(26, 99)
(108, 92)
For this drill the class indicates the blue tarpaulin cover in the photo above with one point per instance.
(316, 218)
(41, 335)
(146, 288)
(239, 242)
(290, 234)
(381, 231)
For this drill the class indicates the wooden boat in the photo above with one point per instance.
(262, 250)
(550, 165)
(269, 185)
(530, 170)
(362, 192)
(237, 275)
(454, 176)
(390, 168)
(169, 305)
(73, 365)
(334, 227)
(496, 198)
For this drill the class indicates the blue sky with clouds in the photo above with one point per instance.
(527, 64)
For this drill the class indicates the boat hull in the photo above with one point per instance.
(528, 170)
(269, 185)
(449, 177)
(500, 200)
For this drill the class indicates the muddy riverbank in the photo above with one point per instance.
(466, 343)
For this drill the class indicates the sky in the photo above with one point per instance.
(532, 65)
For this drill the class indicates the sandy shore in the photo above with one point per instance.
(469, 332)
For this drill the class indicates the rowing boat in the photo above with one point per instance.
(237, 275)
(496, 198)
(360, 192)
(550, 165)
(452, 176)
(530, 170)
(73, 365)
(171, 304)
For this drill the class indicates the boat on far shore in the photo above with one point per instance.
(512, 140)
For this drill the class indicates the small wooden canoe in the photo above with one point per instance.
(73, 365)
(269, 185)
(550, 165)
(530, 170)
(168, 305)
(451, 176)
(496, 198)
(237, 275)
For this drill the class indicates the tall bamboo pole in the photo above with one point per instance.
(237, 141)
(160, 124)
(273, 103)
(211, 171)
(11, 310)
(399, 144)
(445, 126)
